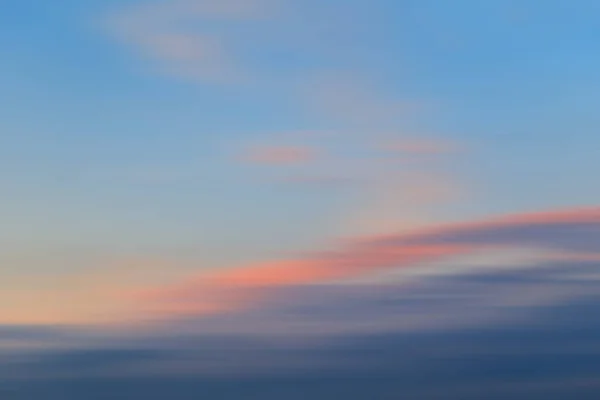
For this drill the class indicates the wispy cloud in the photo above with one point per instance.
(280, 155)
(322, 180)
(173, 35)
(419, 146)
(355, 104)
(403, 200)
(558, 231)
(375, 123)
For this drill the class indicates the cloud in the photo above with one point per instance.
(419, 146)
(402, 201)
(280, 155)
(322, 181)
(168, 33)
(374, 121)
(229, 290)
(574, 231)
(467, 300)
(348, 100)
(521, 334)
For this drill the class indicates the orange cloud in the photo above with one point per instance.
(280, 155)
(240, 287)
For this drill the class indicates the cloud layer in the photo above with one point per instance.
(569, 232)
(525, 333)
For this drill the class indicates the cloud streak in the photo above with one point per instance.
(280, 155)
(516, 333)
(569, 231)
(170, 33)
(419, 146)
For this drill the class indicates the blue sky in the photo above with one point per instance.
(349, 199)
(115, 147)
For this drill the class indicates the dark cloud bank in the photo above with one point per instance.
(528, 333)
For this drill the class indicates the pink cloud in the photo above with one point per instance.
(157, 31)
(329, 181)
(280, 155)
(419, 146)
(556, 231)
(240, 287)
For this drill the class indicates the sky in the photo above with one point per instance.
(194, 167)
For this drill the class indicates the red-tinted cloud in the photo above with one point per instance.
(573, 231)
